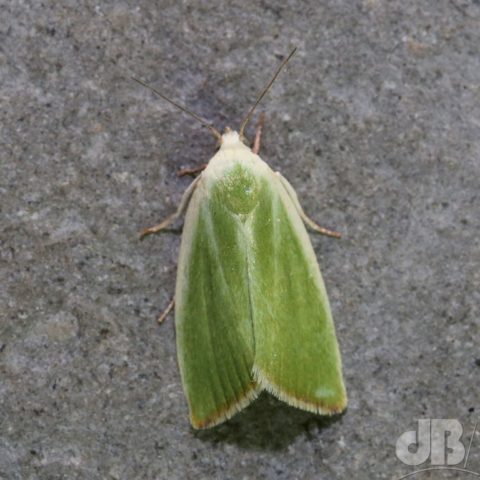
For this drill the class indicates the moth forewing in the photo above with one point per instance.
(215, 344)
(296, 351)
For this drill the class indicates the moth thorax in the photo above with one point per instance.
(238, 190)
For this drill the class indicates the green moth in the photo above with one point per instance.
(251, 310)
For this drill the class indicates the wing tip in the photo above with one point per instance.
(317, 407)
(262, 382)
(227, 412)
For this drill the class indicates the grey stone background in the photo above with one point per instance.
(375, 123)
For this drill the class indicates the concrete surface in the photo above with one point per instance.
(376, 124)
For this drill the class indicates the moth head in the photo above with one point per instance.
(231, 137)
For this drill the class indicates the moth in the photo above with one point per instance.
(251, 309)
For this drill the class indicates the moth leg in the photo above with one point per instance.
(191, 171)
(308, 221)
(180, 211)
(258, 134)
(165, 313)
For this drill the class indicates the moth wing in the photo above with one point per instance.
(214, 329)
(296, 352)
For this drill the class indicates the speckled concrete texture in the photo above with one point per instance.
(375, 123)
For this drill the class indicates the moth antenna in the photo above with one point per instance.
(215, 132)
(264, 91)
